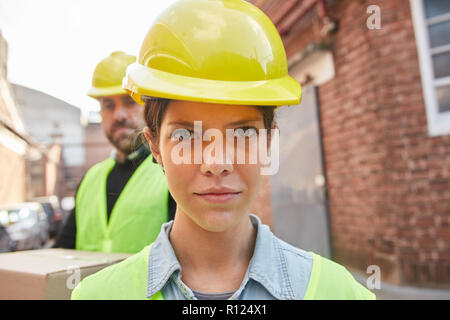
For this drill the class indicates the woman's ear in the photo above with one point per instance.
(153, 148)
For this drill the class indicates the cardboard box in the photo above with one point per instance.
(49, 273)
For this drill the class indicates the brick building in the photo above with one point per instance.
(48, 119)
(383, 99)
(28, 168)
(13, 149)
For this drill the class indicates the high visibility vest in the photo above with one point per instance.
(128, 280)
(136, 217)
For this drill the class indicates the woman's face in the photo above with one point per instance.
(216, 194)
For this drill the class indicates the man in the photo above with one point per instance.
(117, 210)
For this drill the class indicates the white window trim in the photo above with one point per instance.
(438, 123)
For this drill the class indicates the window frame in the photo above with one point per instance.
(438, 122)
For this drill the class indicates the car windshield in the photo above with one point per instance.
(12, 216)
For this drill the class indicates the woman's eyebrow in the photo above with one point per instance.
(182, 123)
(245, 121)
(234, 123)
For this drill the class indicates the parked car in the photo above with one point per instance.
(26, 224)
(53, 212)
(5, 240)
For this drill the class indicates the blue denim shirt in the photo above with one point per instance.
(277, 270)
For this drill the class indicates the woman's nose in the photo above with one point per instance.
(216, 164)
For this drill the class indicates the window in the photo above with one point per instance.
(432, 28)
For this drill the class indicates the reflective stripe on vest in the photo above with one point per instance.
(136, 217)
(129, 278)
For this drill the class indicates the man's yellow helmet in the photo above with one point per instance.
(108, 75)
(216, 51)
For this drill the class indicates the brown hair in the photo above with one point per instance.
(156, 107)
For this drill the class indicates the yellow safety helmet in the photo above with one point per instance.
(108, 75)
(216, 51)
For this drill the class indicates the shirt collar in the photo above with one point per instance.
(136, 157)
(141, 153)
(267, 266)
(162, 262)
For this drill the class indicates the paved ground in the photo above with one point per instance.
(391, 292)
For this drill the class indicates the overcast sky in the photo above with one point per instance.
(54, 45)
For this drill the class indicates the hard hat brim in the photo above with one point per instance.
(96, 92)
(143, 81)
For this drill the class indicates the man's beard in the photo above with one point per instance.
(124, 142)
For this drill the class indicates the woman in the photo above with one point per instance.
(214, 69)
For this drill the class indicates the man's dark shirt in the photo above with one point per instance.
(117, 179)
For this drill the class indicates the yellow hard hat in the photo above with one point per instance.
(108, 75)
(216, 51)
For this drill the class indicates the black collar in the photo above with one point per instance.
(136, 157)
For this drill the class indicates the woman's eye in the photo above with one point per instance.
(245, 132)
(181, 135)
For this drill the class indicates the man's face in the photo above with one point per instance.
(122, 118)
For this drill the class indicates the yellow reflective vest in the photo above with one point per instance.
(128, 280)
(136, 217)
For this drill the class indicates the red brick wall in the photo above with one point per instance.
(356, 146)
(388, 181)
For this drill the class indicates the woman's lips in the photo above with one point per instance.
(218, 197)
